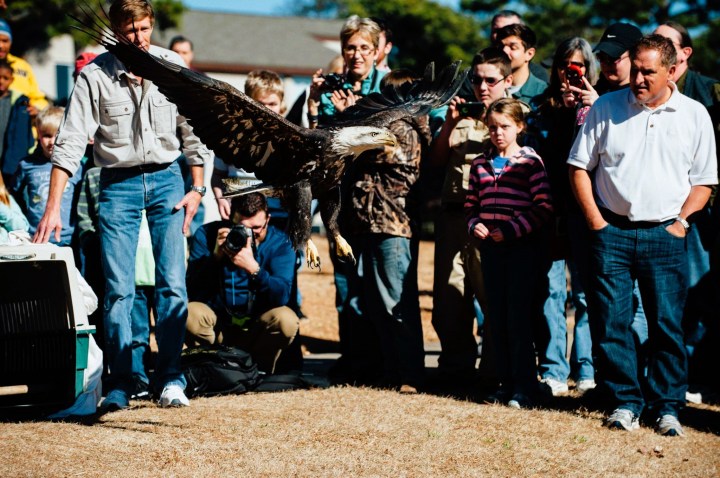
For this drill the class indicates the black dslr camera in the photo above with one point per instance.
(334, 81)
(237, 238)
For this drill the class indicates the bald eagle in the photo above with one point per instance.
(299, 163)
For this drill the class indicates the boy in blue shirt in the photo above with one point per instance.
(32, 179)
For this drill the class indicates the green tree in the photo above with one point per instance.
(35, 22)
(424, 31)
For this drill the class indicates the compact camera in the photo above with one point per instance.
(574, 76)
(334, 81)
(237, 238)
(472, 109)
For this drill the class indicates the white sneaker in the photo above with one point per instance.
(622, 419)
(584, 386)
(556, 387)
(173, 396)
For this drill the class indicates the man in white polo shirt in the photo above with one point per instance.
(644, 161)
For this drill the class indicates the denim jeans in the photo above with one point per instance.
(552, 342)
(513, 272)
(387, 268)
(620, 254)
(124, 193)
(581, 353)
(142, 305)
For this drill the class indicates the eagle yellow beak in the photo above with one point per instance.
(390, 140)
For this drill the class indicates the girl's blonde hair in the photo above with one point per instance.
(509, 107)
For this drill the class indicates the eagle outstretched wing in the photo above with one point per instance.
(239, 130)
(410, 99)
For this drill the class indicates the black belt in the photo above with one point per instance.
(146, 168)
(623, 222)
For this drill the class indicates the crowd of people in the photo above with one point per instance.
(600, 172)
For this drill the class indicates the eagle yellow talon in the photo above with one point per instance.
(312, 255)
(343, 250)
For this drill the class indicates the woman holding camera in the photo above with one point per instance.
(329, 95)
(359, 39)
(554, 126)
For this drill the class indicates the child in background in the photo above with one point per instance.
(265, 87)
(32, 179)
(507, 206)
(11, 216)
(16, 137)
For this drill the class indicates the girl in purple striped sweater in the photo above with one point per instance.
(508, 206)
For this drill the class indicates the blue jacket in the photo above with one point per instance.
(18, 139)
(225, 288)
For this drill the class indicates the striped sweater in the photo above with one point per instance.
(517, 200)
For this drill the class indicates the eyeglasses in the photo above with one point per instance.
(364, 50)
(490, 81)
(260, 227)
(605, 58)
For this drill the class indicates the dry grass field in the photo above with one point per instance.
(355, 432)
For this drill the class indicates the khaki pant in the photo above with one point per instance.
(264, 337)
(457, 279)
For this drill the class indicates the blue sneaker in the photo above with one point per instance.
(116, 400)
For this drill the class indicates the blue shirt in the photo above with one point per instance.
(226, 288)
(32, 183)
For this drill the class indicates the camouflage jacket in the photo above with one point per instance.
(380, 184)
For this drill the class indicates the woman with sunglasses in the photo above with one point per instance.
(457, 277)
(554, 126)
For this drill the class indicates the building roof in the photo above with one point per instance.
(233, 43)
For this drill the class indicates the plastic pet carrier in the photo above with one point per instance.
(44, 329)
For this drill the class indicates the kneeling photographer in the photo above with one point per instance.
(239, 279)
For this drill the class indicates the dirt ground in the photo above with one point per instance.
(355, 431)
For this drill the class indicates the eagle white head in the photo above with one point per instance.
(355, 140)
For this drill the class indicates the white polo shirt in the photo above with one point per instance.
(646, 160)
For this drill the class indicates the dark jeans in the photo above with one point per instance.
(514, 271)
(621, 253)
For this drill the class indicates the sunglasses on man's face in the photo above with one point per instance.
(490, 81)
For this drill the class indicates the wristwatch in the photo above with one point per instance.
(684, 223)
(198, 189)
(254, 275)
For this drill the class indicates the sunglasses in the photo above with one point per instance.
(478, 80)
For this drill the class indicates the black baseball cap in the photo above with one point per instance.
(617, 39)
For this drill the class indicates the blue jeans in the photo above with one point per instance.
(124, 193)
(581, 354)
(513, 272)
(387, 268)
(142, 305)
(552, 343)
(621, 253)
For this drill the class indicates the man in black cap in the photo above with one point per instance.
(614, 56)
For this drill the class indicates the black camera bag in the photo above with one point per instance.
(218, 370)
